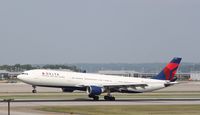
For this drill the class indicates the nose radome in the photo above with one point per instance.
(19, 77)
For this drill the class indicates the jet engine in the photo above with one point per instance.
(95, 90)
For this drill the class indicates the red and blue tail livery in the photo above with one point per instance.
(169, 71)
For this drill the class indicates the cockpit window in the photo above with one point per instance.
(24, 73)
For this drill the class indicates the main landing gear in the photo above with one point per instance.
(106, 97)
(95, 97)
(34, 89)
(109, 98)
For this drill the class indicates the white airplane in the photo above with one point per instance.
(96, 84)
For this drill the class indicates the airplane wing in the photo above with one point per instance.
(115, 85)
(125, 85)
(118, 86)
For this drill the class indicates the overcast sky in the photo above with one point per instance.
(98, 31)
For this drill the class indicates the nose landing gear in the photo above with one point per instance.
(34, 89)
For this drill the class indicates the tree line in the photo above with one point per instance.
(19, 67)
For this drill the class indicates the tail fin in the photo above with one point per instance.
(169, 71)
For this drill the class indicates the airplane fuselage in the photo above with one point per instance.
(65, 79)
(96, 84)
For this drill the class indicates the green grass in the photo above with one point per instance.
(127, 110)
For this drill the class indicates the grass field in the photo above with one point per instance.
(127, 110)
(84, 95)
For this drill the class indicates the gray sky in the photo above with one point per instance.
(99, 31)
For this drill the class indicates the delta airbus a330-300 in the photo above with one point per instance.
(96, 84)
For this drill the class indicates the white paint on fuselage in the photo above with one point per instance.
(56, 78)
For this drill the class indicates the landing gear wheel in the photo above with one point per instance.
(34, 89)
(109, 98)
(106, 98)
(112, 98)
(96, 98)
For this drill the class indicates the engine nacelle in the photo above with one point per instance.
(67, 89)
(95, 90)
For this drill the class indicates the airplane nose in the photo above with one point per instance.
(19, 77)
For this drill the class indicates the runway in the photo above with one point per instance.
(83, 102)
(21, 88)
(25, 106)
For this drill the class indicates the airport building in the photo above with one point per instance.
(120, 73)
(180, 76)
(195, 76)
(4, 75)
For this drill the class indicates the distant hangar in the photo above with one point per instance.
(180, 76)
(4, 74)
